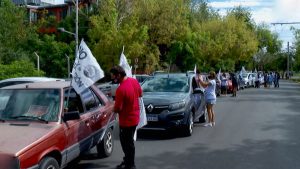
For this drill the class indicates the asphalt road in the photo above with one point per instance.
(259, 129)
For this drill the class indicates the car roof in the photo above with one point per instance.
(174, 75)
(171, 74)
(34, 79)
(141, 75)
(40, 85)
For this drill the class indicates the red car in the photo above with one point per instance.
(47, 124)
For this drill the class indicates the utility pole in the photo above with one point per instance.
(76, 29)
(68, 60)
(288, 60)
(288, 45)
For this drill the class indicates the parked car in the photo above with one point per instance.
(172, 102)
(20, 80)
(248, 79)
(47, 124)
(158, 72)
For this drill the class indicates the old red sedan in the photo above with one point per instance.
(47, 124)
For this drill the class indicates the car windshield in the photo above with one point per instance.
(165, 84)
(141, 79)
(245, 75)
(29, 104)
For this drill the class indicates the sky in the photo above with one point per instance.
(267, 11)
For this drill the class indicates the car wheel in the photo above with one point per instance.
(106, 146)
(203, 118)
(188, 129)
(48, 163)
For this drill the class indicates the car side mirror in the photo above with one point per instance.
(73, 115)
(198, 91)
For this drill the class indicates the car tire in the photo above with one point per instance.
(188, 128)
(106, 146)
(48, 163)
(203, 118)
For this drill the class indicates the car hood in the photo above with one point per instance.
(16, 136)
(163, 98)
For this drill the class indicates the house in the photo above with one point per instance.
(38, 9)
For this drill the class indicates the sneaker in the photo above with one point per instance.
(132, 167)
(213, 123)
(207, 125)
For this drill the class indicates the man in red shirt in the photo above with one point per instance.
(127, 106)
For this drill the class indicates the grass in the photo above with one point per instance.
(296, 77)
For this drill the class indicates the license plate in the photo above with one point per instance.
(152, 117)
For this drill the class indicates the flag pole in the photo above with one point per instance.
(76, 51)
(76, 29)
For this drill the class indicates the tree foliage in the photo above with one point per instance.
(174, 34)
(19, 69)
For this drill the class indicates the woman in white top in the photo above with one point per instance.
(210, 96)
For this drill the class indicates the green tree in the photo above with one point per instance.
(296, 64)
(16, 34)
(53, 58)
(18, 69)
(116, 26)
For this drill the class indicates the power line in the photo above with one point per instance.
(285, 23)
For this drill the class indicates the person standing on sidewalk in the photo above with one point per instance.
(127, 106)
(210, 96)
(234, 83)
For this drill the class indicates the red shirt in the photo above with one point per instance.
(127, 102)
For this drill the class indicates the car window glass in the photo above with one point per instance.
(41, 103)
(98, 100)
(74, 103)
(89, 100)
(164, 84)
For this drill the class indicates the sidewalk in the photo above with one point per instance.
(296, 78)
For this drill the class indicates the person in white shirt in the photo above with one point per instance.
(210, 96)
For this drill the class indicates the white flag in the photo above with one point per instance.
(86, 70)
(124, 64)
(219, 75)
(243, 70)
(195, 69)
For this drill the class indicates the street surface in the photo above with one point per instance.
(259, 129)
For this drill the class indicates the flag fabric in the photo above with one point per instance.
(219, 75)
(124, 64)
(86, 70)
(195, 69)
(143, 117)
(243, 70)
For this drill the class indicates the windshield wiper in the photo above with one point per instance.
(30, 117)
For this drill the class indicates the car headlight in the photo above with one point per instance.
(176, 106)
